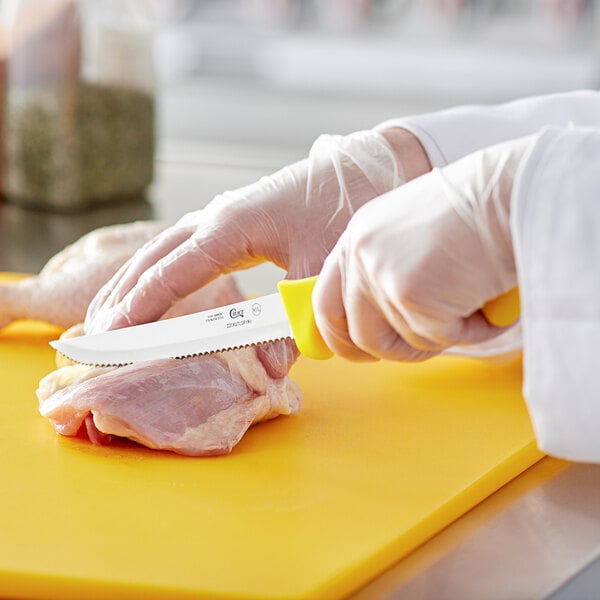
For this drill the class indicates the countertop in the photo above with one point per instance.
(537, 537)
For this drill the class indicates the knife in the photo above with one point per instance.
(283, 315)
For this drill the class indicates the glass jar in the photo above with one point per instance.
(79, 109)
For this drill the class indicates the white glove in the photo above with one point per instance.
(292, 218)
(408, 276)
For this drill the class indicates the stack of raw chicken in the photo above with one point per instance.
(196, 406)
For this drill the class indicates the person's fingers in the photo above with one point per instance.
(149, 255)
(330, 312)
(188, 267)
(96, 303)
(474, 329)
(221, 239)
(371, 330)
(455, 330)
(277, 357)
(113, 292)
(357, 325)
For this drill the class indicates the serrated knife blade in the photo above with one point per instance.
(227, 327)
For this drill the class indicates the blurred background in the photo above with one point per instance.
(117, 110)
(262, 78)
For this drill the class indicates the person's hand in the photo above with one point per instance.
(292, 218)
(408, 276)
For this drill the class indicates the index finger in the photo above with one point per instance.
(127, 277)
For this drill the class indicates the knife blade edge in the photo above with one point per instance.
(238, 325)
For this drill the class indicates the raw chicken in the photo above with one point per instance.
(197, 406)
(60, 294)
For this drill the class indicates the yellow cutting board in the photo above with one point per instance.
(381, 457)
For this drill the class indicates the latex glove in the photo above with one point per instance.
(407, 277)
(292, 218)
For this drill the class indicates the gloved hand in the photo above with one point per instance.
(407, 277)
(292, 218)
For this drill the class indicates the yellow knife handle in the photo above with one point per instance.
(503, 310)
(297, 301)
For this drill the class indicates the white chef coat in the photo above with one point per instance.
(555, 219)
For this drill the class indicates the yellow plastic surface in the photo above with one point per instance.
(503, 310)
(381, 457)
(297, 300)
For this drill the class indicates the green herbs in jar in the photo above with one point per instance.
(74, 146)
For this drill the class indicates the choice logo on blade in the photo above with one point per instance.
(235, 312)
(256, 309)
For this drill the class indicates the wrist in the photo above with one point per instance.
(408, 150)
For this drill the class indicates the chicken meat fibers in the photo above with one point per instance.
(198, 406)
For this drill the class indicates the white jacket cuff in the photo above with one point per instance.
(450, 134)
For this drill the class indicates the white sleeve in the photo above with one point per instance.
(451, 134)
(555, 221)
